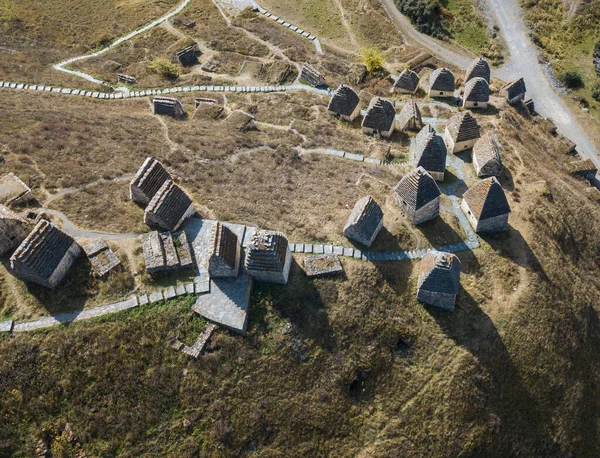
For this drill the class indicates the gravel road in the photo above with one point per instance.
(524, 62)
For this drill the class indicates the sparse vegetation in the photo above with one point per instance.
(372, 59)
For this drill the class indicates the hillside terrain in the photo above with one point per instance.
(350, 365)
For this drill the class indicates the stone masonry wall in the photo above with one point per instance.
(442, 300)
(427, 212)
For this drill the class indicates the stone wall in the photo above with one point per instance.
(63, 267)
(384, 134)
(276, 277)
(460, 146)
(442, 300)
(439, 94)
(479, 105)
(497, 224)
(12, 232)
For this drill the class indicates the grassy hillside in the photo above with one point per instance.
(351, 366)
(568, 33)
(458, 20)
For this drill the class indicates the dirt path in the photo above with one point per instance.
(524, 63)
(414, 37)
(346, 24)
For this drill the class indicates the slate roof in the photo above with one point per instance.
(344, 100)
(477, 90)
(417, 188)
(441, 79)
(479, 68)
(366, 217)
(150, 177)
(312, 75)
(486, 199)
(410, 116)
(169, 204)
(486, 150)
(439, 272)
(42, 251)
(462, 127)
(430, 152)
(514, 88)
(582, 167)
(380, 115)
(408, 80)
(168, 105)
(225, 245)
(266, 251)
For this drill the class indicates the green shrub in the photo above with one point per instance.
(572, 79)
(372, 59)
(596, 92)
(426, 15)
(164, 68)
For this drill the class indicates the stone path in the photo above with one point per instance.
(196, 350)
(62, 65)
(293, 28)
(343, 154)
(152, 92)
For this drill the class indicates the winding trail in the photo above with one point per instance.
(524, 61)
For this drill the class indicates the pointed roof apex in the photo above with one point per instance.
(344, 100)
(463, 127)
(442, 79)
(439, 272)
(479, 68)
(417, 188)
(408, 80)
(477, 90)
(486, 199)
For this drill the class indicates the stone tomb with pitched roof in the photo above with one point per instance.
(268, 257)
(169, 207)
(429, 152)
(407, 82)
(168, 106)
(380, 118)
(188, 56)
(441, 83)
(486, 207)
(344, 103)
(462, 131)
(477, 93)
(150, 177)
(486, 157)
(102, 258)
(410, 117)
(13, 190)
(45, 256)
(312, 76)
(479, 68)
(439, 280)
(225, 252)
(514, 92)
(418, 195)
(365, 222)
(13, 230)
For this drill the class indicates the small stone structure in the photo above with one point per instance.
(486, 206)
(486, 157)
(407, 82)
(102, 258)
(240, 120)
(169, 207)
(188, 56)
(13, 190)
(583, 168)
(514, 91)
(225, 253)
(365, 222)
(166, 251)
(196, 350)
(312, 76)
(168, 106)
(126, 79)
(344, 103)
(479, 68)
(150, 177)
(268, 257)
(418, 195)
(45, 256)
(477, 93)
(380, 118)
(529, 106)
(208, 110)
(429, 152)
(13, 230)
(410, 117)
(441, 83)
(322, 265)
(439, 280)
(462, 131)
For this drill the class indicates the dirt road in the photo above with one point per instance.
(416, 38)
(524, 62)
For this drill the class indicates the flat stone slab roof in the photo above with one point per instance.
(227, 300)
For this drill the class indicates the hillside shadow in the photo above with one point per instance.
(385, 241)
(511, 245)
(301, 302)
(439, 233)
(506, 180)
(520, 415)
